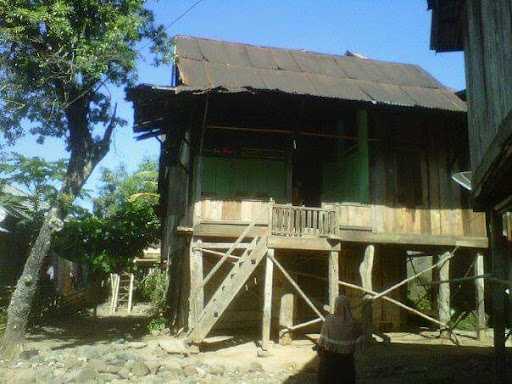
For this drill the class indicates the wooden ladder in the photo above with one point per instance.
(228, 289)
(122, 290)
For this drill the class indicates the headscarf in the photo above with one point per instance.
(339, 331)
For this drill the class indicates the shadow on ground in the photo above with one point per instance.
(417, 364)
(86, 330)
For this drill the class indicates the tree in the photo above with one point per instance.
(123, 225)
(57, 60)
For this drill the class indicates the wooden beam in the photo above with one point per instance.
(304, 244)
(305, 324)
(444, 260)
(498, 259)
(365, 271)
(286, 315)
(333, 278)
(226, 246)
(480, 294)
(296, 286)
(412, 239)
(386, 298)
(443, 296)
(209, 251)
(267, 301)
(196, 303)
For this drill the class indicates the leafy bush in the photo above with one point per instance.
(157, 325)
(153, 288)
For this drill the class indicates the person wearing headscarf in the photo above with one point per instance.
(337, 344)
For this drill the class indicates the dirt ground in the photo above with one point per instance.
(417, 358)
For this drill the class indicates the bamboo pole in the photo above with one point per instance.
(296, 286)
(405, 281)
(214, 252)
(396, 302)
(305, 324)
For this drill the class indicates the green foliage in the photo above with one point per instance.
(57, 58)
(118, 187)
(39, 178)
(156, 325)
(153, 288)
(109, 239)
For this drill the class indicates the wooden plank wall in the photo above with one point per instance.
(208, 209)
(444, 209)
(488, 57)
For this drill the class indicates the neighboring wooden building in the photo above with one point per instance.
(483, 30)
(313, 163)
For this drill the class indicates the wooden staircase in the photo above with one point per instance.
(228, 289)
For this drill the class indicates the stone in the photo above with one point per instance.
(124, 373)
(97, 365)
(29, 354)
(255, 366)
(154, 366)
(71, 363)
(84, 375)
(190, 370)
(173, 346)
(140, 369)
(173, 366)
(216, 370)
(137, 345)
(262, 353)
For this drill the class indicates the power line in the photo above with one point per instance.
(178, 18)
(184, 14)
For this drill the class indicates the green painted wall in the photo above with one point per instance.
(232, 177)
(347, 179)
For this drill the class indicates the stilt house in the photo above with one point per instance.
(483, 30)
(286, 174)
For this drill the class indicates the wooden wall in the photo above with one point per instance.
(488, 56)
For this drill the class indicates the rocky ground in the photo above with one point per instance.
(117, 349)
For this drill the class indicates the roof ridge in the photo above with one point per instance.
(301, 50)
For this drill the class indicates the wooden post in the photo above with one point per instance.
(480, 294)
(333, 278)
(365, 270)
(130, 293)
(498, 252)
(443, 297)
(196, 282)
(286, 313)
(267, 301)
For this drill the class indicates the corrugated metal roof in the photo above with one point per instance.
(206, 65)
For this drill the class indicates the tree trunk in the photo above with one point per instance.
(21, 300)
(81, 164)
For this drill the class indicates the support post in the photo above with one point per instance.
(365, 270)
(130, 293)
(480, 294)
(267, 301)
(196, 282)
(443, 297)
(333, 278)
(286, 314)
(498, 251)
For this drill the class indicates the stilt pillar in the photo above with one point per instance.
(443, 296)
(365, 270)
(267, 301)
(480, 294)
(286, 313)
(499, 263)
(333, 278)
(196, 282)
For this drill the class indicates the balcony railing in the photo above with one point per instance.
(291, 221)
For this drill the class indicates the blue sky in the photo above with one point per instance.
(393, 30)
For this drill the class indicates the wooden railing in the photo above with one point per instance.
(291, 221)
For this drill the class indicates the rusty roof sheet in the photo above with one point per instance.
(206, 65)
